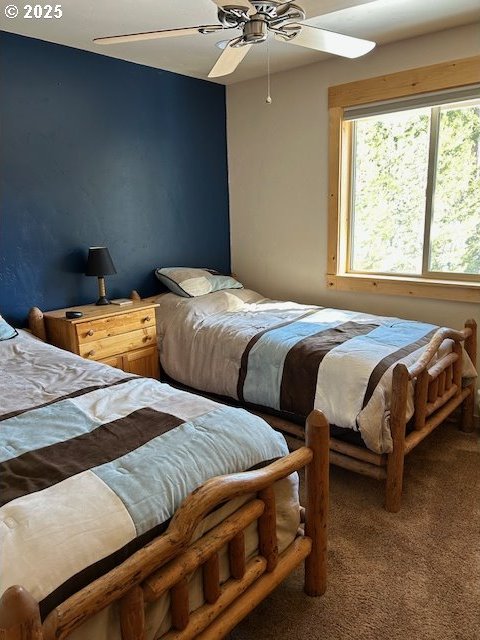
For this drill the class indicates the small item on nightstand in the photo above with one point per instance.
(73, 314)
(121, 301)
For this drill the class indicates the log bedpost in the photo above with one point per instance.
(316, 511)
(468, 405)
(135, 296)
(398, 423)
(19, 616)
(36, 323)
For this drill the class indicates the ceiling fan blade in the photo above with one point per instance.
(236, 3)
(328, 41)
(229, 59)
(154, 35)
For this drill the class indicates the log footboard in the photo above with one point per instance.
(165, 564)
(438, 392)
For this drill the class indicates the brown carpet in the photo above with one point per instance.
(411, 575)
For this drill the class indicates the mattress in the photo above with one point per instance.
(293, 358)
(93, 464)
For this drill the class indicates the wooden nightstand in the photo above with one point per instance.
(121, 336)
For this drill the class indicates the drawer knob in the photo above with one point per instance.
(147, 319)
(91, 353)
(90, 333)
(147, 338)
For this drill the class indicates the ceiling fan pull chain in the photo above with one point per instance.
(269, 97)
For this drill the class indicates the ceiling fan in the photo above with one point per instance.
(256, 19)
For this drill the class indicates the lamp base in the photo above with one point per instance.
(102, 292)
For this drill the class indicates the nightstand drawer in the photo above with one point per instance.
(118, 343)
(94, 330)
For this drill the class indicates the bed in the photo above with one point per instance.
(383, 383)
(133, 510)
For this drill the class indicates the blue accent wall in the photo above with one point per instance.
(97, 151)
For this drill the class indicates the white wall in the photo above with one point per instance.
(277, 157)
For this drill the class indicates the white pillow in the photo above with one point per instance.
(190, 283)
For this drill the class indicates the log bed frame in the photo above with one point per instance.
(438, 393)
(165, 564)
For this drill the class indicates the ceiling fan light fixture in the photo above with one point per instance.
(255, 30)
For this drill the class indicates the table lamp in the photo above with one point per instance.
(100, 264)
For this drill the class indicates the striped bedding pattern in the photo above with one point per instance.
(292, 358)
(94, 462)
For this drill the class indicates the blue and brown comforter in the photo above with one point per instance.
(94, 462)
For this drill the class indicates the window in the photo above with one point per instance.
(416, 192)
(405, 183)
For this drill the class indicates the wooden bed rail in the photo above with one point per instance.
(167, 562)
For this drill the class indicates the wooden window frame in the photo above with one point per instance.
(438, 77)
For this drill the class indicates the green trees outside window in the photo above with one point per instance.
(415, 207)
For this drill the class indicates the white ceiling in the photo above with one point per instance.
(380, 20)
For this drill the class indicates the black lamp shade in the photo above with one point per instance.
(99, 262)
